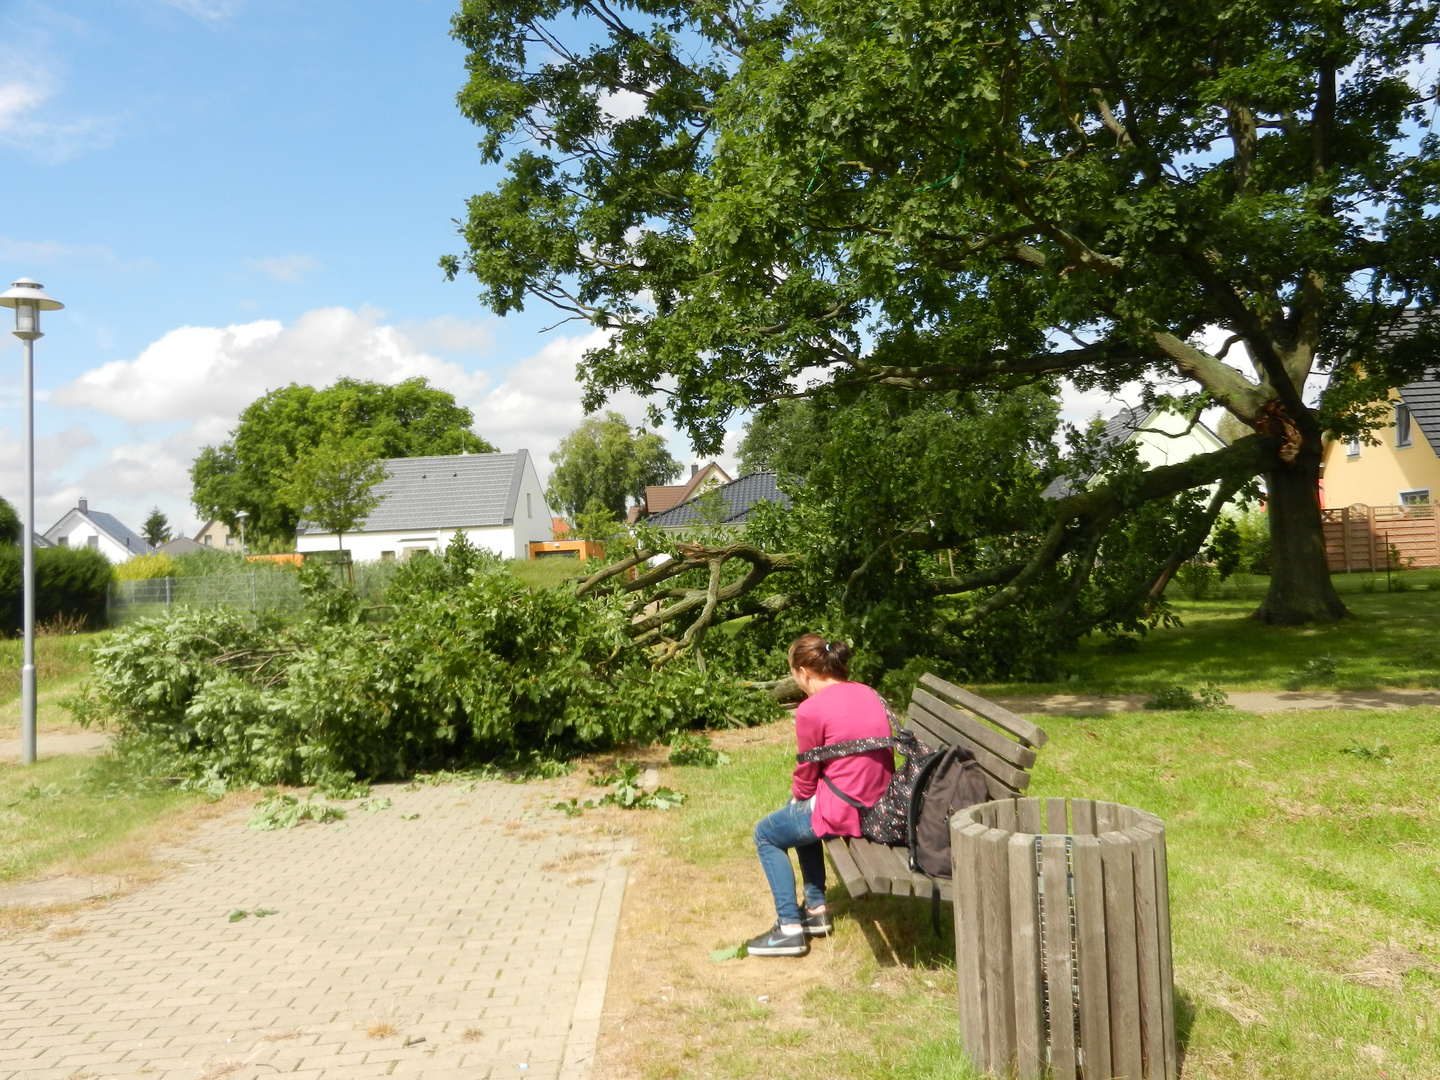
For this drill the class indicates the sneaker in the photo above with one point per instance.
(775, 943)
(816, 923)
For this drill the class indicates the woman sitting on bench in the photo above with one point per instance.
(825, 795)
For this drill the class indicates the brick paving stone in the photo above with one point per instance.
(433, 926)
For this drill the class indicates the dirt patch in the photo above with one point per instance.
(1387, 966)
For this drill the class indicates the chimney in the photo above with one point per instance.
(84, 505)
(693, 470)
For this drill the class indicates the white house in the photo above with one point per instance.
(83, 527)
(1159, 438)
(495, 499)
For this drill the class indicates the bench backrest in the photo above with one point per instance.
(1004, 744)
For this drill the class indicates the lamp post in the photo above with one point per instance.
(240, 516)
(28, 300)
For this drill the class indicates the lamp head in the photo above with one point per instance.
(27, 297)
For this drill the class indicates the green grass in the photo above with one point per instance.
(1296, 868)
(69, 809)
(1393, 640)
(543, 573)
(61, 662)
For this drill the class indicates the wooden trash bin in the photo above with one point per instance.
(1062, 932)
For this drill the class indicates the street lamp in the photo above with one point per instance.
(28, 300)
(241, 515)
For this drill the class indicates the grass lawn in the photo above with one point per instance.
(1305, 893)
(60, 664)
(1393, 640)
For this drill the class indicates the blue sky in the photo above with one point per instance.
(277, 176)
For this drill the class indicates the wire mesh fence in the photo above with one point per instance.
(256, 592)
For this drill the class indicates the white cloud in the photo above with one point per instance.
(285, 267)
(26, 124)
(52, 253)
(186, 390)
(212, 10)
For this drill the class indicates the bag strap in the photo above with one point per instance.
(856, 803)
(849, 748)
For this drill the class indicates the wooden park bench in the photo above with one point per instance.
(943, 714)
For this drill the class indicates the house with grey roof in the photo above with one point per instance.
(1160, 438)
(494, 499)
(726, 505)
(105, 533)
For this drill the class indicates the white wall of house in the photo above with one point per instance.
(533, 520)
(372, 547)
(74, 531)
(1163, 440)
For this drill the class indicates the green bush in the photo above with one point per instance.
(69, 582)
(146, 567)
(472, 667)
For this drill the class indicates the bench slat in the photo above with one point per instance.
(1011, 777)
(1022, 729)
(845, 866)
(1016, 754)
(867, 858)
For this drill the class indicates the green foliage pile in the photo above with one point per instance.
(69, 583)
(472, 667)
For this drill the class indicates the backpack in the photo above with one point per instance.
(946, 782)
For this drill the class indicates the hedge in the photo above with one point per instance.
(68, 581)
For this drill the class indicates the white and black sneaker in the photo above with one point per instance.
(775, 942)
(816, 923)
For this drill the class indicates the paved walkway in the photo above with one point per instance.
(471, 941)
(1255, 701)
(56, 744)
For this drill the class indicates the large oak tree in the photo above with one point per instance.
(942, 196)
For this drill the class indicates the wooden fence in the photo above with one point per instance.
(1062, 935)
(1365, 538)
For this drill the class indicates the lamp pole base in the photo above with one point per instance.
(27, 714)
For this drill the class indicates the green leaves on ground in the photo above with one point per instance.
(735, 952)
(283, 811)
(629, 795)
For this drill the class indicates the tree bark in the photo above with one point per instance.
(1300, 586)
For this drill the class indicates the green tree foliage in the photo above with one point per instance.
(10, 527)
(975, 196)
(603, 463)
(472, 667)
(332, 486)
(69, 582)
(156, 529)
(785, 437)
(409, 419)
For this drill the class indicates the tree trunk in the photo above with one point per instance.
(1300, 586)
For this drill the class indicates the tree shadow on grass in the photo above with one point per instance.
(899, 932)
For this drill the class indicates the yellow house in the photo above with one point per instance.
(1404, 469)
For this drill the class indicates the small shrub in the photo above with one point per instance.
(69, 582)
(1321, 669)
(1183, 699)
(693, 748)
(146, 567)
(629, 795)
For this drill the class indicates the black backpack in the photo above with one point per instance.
(948, 781)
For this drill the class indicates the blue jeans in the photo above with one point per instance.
(788, 828)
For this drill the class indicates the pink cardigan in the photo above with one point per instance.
(838, 713)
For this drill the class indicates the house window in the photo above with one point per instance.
(229, 540)
(528, 510)
(209, 540)
(1403, 435)
(93, 543)
(1418, 497)
(1352, 447)
(387, 556)
(64, 541)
